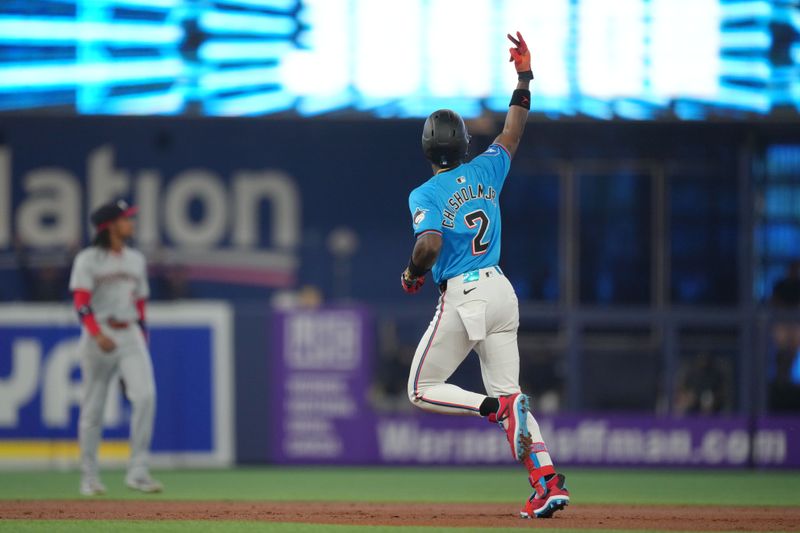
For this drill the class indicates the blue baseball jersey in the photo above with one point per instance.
(462, 204)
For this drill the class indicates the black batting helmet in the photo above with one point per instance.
(445, 140)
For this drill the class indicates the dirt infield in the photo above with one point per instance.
(683, 518)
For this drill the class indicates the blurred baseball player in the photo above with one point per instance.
(456, 220)
(109, 286)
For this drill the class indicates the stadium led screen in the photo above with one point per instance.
(604, 59)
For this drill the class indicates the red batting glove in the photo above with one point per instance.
(521, 56)
(411, 285)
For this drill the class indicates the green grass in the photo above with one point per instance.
(432, 484)
(503, 485)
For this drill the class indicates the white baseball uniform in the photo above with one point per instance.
(478, 308)
(480, 315)
(116, 282)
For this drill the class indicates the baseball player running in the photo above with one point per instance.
(456, 220)
(109, 285)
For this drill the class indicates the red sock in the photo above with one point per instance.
(536, 475)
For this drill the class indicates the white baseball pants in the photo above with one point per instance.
(482, 315)
(131, 361)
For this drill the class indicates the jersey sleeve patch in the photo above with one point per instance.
(492, 151)
(495, 150)
(424, 213)
(495, 162)
(419, 216)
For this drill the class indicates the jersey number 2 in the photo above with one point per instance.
(478, 219)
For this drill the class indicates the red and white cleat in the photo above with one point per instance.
(513, 414)
(555, 499)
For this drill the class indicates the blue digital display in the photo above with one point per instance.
(603, 59)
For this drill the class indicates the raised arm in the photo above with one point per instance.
(520, 99)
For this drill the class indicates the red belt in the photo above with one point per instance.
(116, 324)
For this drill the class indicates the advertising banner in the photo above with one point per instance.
(229, 205)
(320, 375)
(40, 387)
(586, 440)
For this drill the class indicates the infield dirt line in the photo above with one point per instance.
(642, 517)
